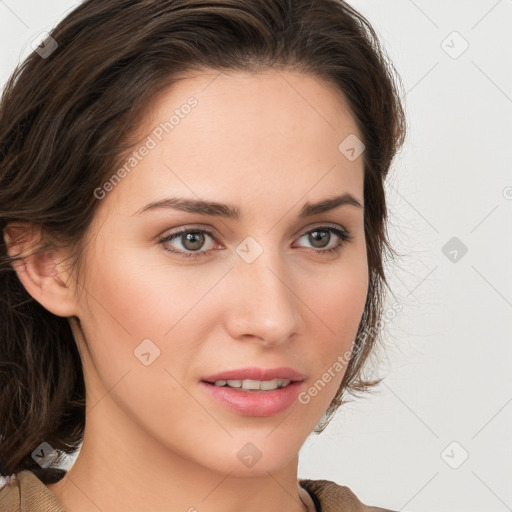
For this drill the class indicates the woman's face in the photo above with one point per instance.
(259, 295)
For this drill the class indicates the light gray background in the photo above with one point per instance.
(448, 392)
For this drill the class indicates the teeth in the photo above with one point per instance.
(251, 385)
(273, 384)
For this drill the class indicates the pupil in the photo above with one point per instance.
(195, 238)
(322, 237)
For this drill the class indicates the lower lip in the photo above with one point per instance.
(255, 403)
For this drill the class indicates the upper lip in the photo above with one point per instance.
(254, 373)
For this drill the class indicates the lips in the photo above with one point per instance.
(254, 373)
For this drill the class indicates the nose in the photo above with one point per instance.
(263, 305)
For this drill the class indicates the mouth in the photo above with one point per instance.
(255, 379)
(250, 385)
(255, 391)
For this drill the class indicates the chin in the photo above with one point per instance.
(257, 453)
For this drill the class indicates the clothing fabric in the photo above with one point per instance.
(26, 493)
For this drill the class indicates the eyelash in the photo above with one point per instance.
(344, 236)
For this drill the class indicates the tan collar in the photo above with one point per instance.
(307, 500)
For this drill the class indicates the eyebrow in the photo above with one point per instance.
(233, 212)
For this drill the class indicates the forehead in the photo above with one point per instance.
(277, 98)
(253, 135)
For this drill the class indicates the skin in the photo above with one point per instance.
(268, 143)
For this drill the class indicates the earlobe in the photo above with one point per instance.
(39, 272)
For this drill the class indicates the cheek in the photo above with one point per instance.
(136, 295)
(139, 292)
(337, 300)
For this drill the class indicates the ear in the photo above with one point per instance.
(41, 273)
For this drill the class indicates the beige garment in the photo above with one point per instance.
(28, 494)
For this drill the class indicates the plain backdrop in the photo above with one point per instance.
(433, 436)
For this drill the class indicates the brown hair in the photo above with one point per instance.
(64, 123)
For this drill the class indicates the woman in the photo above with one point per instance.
(193, 217)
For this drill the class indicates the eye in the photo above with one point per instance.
(192, 240)
(321, 236)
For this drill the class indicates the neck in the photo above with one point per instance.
(121, 468)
